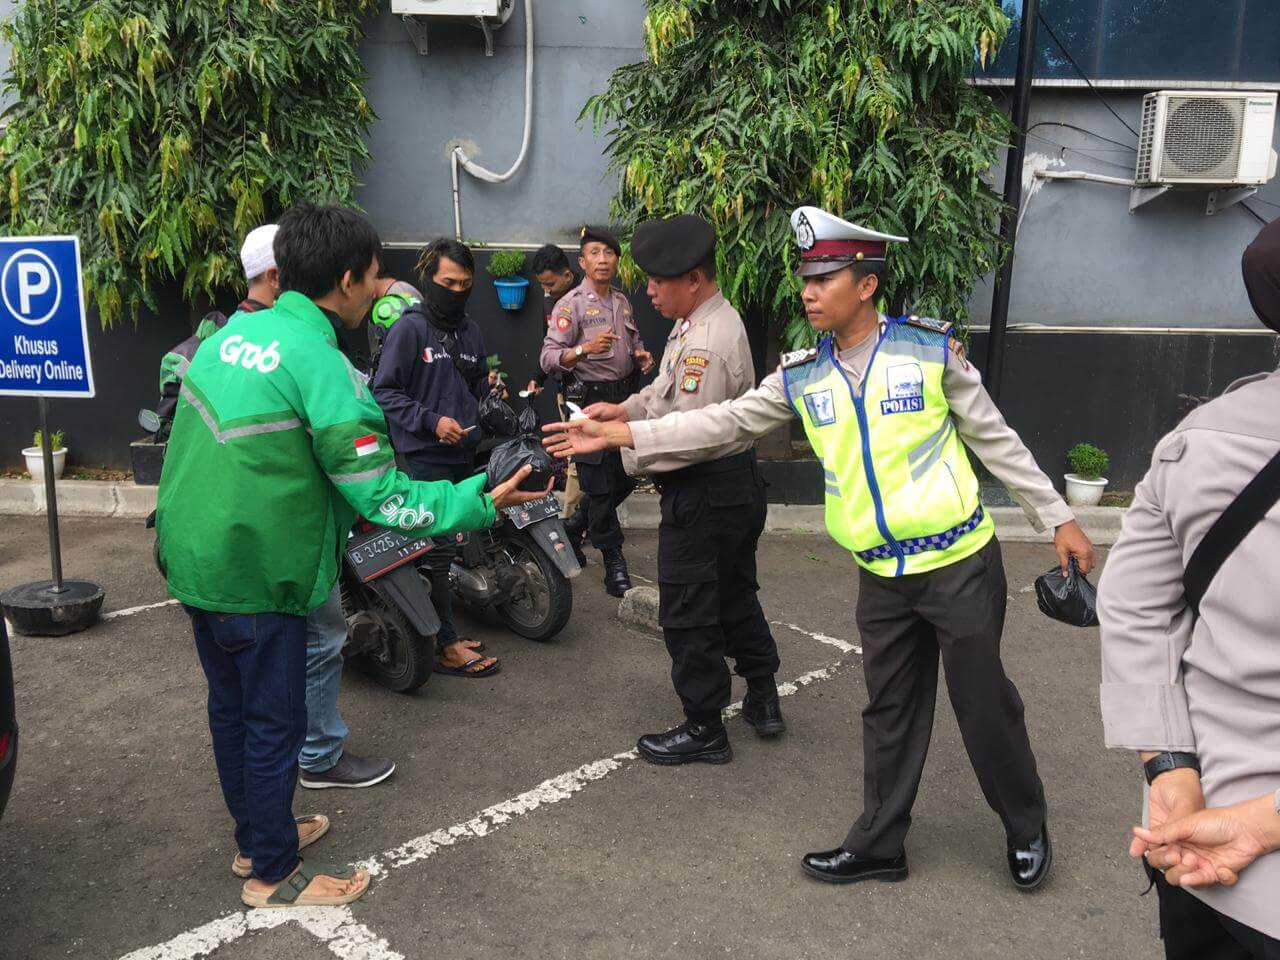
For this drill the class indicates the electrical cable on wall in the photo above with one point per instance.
(458, 156)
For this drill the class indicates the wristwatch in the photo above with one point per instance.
(577, 352)
(1164, 762)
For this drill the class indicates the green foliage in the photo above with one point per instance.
(746, 110)
(161, 133)
(56, 438)
(494, 362)
(506, 263)
(1090, 462)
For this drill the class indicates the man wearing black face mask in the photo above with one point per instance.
(429, 383)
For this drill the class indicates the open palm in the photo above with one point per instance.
(574, 439)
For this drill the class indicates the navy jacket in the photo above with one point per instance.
(426, 374)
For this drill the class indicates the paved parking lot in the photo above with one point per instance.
(519, 823)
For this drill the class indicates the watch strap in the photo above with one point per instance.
(1170, 760)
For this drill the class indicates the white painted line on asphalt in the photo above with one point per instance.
(343, 936)
(336, 926)
(352, 941)
(490, 819)
(130, 611)
(842, 645)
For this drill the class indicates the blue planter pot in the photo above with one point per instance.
(511, 292)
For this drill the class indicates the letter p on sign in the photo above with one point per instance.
(34, 278)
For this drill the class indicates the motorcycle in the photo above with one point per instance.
(521, 567)
(391, 622)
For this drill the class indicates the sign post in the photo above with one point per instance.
(44, 352)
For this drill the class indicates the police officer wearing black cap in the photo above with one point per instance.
(593, 344)
(713, 510)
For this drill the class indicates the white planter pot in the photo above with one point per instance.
(1084, 493)
(35, 462)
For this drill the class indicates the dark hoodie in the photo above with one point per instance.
(426, 373)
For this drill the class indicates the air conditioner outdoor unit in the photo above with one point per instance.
(449, 8)
(486, 14)
(1216, 139)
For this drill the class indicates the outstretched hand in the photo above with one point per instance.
(582, 437)
(506, 493)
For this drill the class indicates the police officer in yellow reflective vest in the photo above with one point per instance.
(886, 403)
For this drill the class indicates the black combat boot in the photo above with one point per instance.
(763, 711)
(688, 743)
(616, 579)
(576, 528)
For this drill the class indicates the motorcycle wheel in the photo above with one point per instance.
(409, 658)
(546, 600)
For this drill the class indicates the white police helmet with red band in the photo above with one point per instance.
(828, 243)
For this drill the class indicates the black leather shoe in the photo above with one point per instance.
(1029, 865)
(841, 866)
(764, 714)
(616, 579)
(687, 743)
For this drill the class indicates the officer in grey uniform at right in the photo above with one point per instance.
(713, 502)
(1191, 659)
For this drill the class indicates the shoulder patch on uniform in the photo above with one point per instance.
(1172, 448)
(930, 324)
(798, 358)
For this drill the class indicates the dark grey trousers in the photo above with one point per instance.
(905, 623)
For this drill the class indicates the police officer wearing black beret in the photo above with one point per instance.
(713, 511)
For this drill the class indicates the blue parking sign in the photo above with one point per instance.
(44, 341)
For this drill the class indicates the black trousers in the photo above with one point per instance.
(712, 518)
(440, 559)
(1193, 930)
(905, 623)
(604, 486)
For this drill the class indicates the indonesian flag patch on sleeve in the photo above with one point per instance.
(366, 445)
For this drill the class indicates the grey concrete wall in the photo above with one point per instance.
(457, 93)
(1084, 260)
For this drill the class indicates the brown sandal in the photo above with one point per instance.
(292, 890)
(243, 868)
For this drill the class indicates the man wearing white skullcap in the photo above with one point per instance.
(259, 262)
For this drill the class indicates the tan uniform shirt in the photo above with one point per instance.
(759, 411)
(579, 316)
(1209, 685)
(707, 359)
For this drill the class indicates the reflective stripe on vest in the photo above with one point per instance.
(901, 495)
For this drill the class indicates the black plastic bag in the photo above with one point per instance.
(527, 421)
(496, 417)
(1071, 599)
(506, 458)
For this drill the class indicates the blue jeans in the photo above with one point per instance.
(326, 733)
(256, 666)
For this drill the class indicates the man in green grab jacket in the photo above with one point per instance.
(277, 444)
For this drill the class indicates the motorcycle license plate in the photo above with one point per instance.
(528, 513)
(374, 553)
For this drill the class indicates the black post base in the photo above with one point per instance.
(35, 610)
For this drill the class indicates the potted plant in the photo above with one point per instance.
(1086, 483)
(34, 456)
(505, 267)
